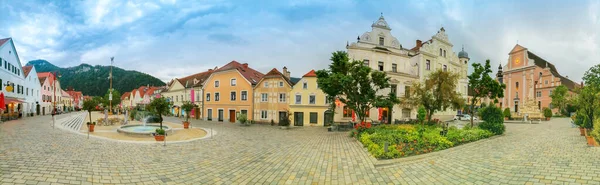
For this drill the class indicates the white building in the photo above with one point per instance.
(33, 98)
(11, 78)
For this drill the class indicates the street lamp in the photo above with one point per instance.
(110, 90)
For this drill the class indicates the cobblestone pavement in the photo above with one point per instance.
(31, 152)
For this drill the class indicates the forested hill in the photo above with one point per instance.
(93, 80)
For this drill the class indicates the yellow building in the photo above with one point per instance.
(308, 106)
(228, 91)
(272, 95)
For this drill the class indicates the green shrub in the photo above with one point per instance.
(461, 136)
(160, 131)
(243, 119)
(493, 119)
(596, 132)
(547, 112)
(421, 113)
(507, 113)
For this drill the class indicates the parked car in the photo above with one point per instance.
(465, 117)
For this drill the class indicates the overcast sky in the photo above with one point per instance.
(175, 38)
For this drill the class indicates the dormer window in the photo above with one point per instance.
(381, 41)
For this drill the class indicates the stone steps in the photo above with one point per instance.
(73, 122)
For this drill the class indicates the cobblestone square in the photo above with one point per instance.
(31, 152)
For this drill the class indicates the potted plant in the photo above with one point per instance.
(159, 135)
(243, 119)
(91, 126)
(159, 106)
(89, 105)
(187, 108)
(506, 113)
(579, 121)
(547, 113)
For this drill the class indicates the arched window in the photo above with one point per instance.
(517, 85)
(440, 51)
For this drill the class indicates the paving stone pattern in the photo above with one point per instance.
(31, 152)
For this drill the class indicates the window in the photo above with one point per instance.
(304, 85)
(444, 53)
(282, 97)
(393, 89)
(244, 95)
(280, 84)
(394, 68)
(366, 62)
(266, 84)
(217, 83)
(233, 82)
(347, 112)
(381, 41)
(517, 85)
(263, 114)
(216, 96)
(264, 97)
(312, 99)
(298, 99)
(445, 68)
(428, 64)
(539, 94)
(440, 51)
(380, 66)
(407, 91)
(546, 82)
(313, 117)
(232, 96)
(327, 99)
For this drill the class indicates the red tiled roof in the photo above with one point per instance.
(26, 70)
(274, 73)
(151, 90)
(250, 74)
(195, 79)
(133, 92)
(125, 95)
(46, 75)
(311, 73)
(2, 41)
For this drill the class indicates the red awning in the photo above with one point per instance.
(8, 100)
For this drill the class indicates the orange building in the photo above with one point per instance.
(529, 77)
(228, 91)
(272, 96)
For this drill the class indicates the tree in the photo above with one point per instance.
(436, 93)
(89, 105)
(421, 113)
(483, 85)
(592, 77)
(159, 106)
(588, 106)
(116, 97)
(559, 97)
(366, 84)
(187, 108)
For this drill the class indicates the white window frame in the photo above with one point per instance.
(314, 98)
(298, 100)
(217, 83)
(242, 95)
(284, 98)
(233, 82)
(217, 96)
(266, 84)
(264, 114)
(304, 85)
(280, 83)
(264, 97)
(234, 97)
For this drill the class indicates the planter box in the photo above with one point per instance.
(159, 137)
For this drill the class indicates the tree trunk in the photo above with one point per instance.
(161, 120)
(90, 112)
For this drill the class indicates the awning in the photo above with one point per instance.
(9, 100)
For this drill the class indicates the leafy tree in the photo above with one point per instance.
(436, 93)
(366, 84)
(116, 98)
(559, 97)
(493, 119)
(187, 108)
(588, 106)
(483, 85)
(421, 113)
(592, 77)
(99, 100)
(159, 106)
(89, 105)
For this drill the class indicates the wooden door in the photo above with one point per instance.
(232, 116)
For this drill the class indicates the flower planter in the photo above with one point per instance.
(186, 125)
(159, 137)
(590, 141)
(581, 131)
(91, 128)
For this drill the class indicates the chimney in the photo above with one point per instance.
(419, 43)
(286, 73)
(245, 65)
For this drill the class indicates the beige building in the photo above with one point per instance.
(309, 106)
(272, 96)
(435, 54)
(188, 88)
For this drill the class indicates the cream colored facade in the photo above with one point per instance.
(272, 96)
(380, 50)
(437, 54)
(175, 94)
(308, 106)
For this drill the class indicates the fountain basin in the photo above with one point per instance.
(141, 130)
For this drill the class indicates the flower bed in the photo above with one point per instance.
(408, 140)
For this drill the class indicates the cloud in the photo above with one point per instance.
(175, 38)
